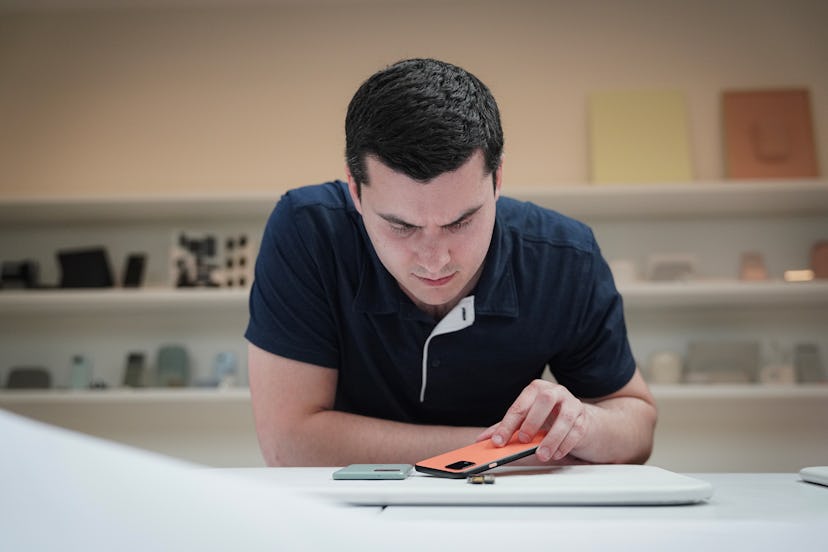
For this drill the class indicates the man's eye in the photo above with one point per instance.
(457, 226)
(402, 229)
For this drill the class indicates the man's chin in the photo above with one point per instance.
(437, 299)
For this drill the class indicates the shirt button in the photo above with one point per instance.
(435, 363)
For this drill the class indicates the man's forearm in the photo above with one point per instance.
(620, 432)
(332, 438)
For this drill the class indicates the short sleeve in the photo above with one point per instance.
(598, 360)
(290, 310)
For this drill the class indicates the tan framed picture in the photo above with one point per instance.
(769, 134)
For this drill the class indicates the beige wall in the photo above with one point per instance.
(185, 100)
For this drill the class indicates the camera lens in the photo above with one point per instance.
(460, 465)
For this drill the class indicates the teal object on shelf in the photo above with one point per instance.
(80, 376)
(173, 365)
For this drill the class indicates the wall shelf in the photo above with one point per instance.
(715, 221)
(157, 300)
(109, 210)
(695, 199)
(724, 293)
(150, 395)
(746, 391)
(147, 395)
(696, 294)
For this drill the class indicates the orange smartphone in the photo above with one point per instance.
(477, 458)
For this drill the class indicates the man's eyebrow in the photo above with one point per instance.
(466, 214)
(394, 219)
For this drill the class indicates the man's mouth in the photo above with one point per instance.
(436, 282)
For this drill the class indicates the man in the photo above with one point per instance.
(413, 310)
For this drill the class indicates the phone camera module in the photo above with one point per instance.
(460, 465)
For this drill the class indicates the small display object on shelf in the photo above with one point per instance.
(819, 259)
(29, 377)
(23, 274)
(623, 270)
(722, 362)
(238, 261)
(665, 367)
(671, 268)
(779, 368)
(752, 267)
(172, 367)
(134, 375)
(133, 275)
(211, 260)
(769, 134)
(808, 364)
(224, 374)
(80, 372)
(194, 260)
(783, 374)
(85, 268)
(225, 368)
(798, 275)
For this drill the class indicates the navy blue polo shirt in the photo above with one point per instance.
(545, 296)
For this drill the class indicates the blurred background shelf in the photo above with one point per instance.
(697, 199)
(704, 199)
(721, 293)
(122, 395)
(696, 294)
(118, 300)
(701, 427)
(182, 395)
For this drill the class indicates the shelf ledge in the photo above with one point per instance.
(724, 293)
(699, 294)
(661, 392)
(701, 199)
(740, 391)
(119, 300)
(124, 395)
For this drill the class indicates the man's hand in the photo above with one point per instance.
(615, 429)
(548, 407)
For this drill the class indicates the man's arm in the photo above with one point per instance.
(616, 429)
(297, 426)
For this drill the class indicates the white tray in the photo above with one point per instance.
(548, 486)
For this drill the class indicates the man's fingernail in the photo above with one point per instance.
(544, 453)
(497, 439)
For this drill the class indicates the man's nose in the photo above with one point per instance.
(433, 252)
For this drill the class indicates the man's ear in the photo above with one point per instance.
(353, 190)
(498, 176)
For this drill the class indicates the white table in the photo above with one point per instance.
(65, 491)
(587, 485)
(773, 511)
(742, 497)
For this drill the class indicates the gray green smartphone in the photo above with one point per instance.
(373, 471)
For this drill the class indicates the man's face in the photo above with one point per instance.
(432, 237)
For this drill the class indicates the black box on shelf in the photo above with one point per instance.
(85, 268)
(20, 275)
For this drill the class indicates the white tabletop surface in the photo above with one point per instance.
(588, 485)
(767, 497)
(60, 490)
(742, 497)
